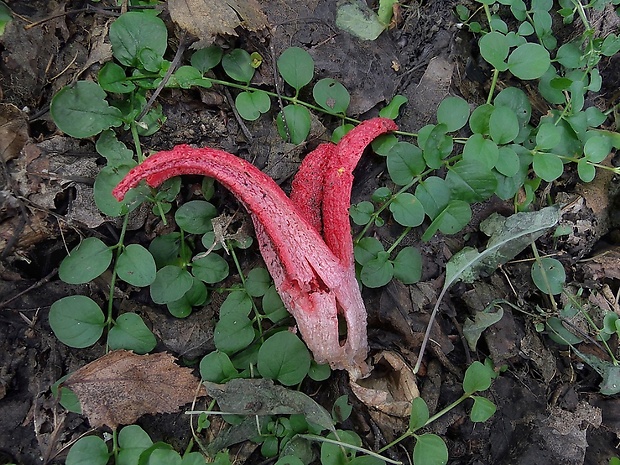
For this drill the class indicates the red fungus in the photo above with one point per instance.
(314, 277)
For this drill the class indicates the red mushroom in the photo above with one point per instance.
(315, 277)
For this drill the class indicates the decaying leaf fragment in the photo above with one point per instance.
(121, 386)
(207, 18)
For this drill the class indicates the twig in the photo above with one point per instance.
(173, 66)
(36, 285)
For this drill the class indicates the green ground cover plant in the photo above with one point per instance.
(497, 149)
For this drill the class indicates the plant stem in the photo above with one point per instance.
(399, 239)
(136, 141)
(493, 85)
(257, 316)
(431, 419)
(119, 250)
(312, 437)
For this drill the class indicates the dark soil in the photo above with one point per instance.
(549, 406)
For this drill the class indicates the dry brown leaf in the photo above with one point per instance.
(121, 386)
(207, 18)
(392, 391)
(13, 131)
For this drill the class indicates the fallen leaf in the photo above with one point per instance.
(13, 131)
(391, 391)
(262, 397)
(604, 265)
(472, 330)
(207, 18)
(121, 386)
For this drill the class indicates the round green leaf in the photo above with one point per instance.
(407, 210)
(171, 283)
(106, 180)
(404, 162)
(377, 271)
(165, 249)
(187, 77)
(210, 269)
(453, 112)
(257, 282)
(586, 171)
(331, 95)
(481, 150)
(296, 67)
(164, 456)
(610, 322)
(138, 39)
(77, 321)
(434, 194)
(367, 249)
(391, 109)
(80, 110)
(251, 105)
(295, 124)
(482, 410)
(561, 334)
(68, 399)
(290, 460)
(195, 216)
(529, 61)
(132, 441)
(548, 91)
(508, 162)
(494, 49)
(238, 302)
(518, 101)
(451, 219)
(503, 125)
(217, 367)
(381, 194)
(319, 372)
(136, 266)
(340, 132)
(129, 332)
(233, 332)
(384, 143)
(548, 136)
(478, 378)
(361, 213)
(419, 414)
(525, 29)
(273, 308)
(548, 166)
(207, 58)
(437, 146)
(479, 120)
(569, 55)
(549, 276)
(112, 78)
(595, 117)
(238, 65)
(116, 152)
(285, 358)
(197, 295)
(408, 265)
(430, 449)
(85, 262)
(471, 181)
(89, 450)
(597, 148)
